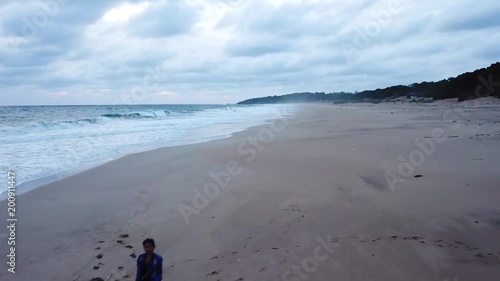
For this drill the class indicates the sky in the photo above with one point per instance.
(224, 51)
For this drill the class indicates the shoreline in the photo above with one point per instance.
(30, 185)
(262, 201)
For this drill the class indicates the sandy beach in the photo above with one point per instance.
(333, 192)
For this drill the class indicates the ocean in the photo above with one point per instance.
(39, 142)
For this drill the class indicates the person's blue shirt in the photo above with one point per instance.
(152, 271)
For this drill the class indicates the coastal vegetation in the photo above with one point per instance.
(480, 83)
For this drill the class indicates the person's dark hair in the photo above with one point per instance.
(149, 241)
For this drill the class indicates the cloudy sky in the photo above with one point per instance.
(224, 51)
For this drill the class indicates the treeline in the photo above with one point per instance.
(463, 87)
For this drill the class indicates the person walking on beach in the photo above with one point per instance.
(149, 264)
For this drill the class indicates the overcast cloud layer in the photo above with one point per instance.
(179, 51)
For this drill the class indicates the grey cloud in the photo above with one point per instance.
(34, 56)
(257, 47)
(475, 17)
(289, 20)
(46, 18)
(52, 28)
(165, 19)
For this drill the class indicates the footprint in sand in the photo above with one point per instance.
(262, 269)
(440, 243)
(214, 273)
